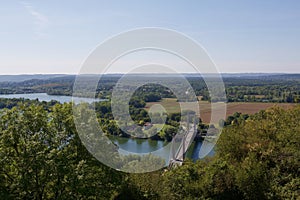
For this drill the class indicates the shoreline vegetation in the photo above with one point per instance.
(234, 112)
(271, 88)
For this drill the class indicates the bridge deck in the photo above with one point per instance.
(186, 140)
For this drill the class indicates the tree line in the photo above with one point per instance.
(268, 88)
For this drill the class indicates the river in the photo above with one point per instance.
(127, 144)
(46, 97)
(156, 146)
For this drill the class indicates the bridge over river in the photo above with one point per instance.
(184, 139)
(181, 143)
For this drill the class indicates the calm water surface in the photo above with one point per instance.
(131, 145)
(46, 97)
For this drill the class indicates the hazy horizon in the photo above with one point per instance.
(252, 73)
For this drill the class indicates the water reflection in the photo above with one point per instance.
(137, 145)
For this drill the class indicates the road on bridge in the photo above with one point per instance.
(177, 157)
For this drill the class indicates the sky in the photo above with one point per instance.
(38, 37)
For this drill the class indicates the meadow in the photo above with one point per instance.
(172, 106)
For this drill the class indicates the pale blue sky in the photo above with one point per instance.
(240, 36)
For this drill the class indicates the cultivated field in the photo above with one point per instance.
(172, 106)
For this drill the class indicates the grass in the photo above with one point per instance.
(172, 106)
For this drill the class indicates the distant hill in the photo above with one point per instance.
(286, 76)
(26, 77)
(240, 87)
(64, 77)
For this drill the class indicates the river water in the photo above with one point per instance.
(127, 144)
(46, 97)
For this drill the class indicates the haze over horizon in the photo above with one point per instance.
(240, 36)
(120, 73)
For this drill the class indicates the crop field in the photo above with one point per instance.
(172, 106)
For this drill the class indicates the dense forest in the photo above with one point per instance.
(42, 157)
(243, 88)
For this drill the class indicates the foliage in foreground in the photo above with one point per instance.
(257, 158)
(41, 157)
